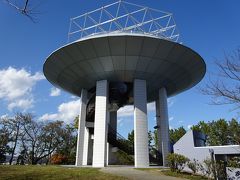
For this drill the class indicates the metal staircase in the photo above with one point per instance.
(117, 140)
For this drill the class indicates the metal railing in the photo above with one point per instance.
(117, 140)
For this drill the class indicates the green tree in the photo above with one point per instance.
(69, 143)
(4, 139)
(176, 134)
(234, 131)
(14, 125)
(220, 132)
(75, 122)
(131, 138)
(201, 127)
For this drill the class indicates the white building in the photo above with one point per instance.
(192, 145)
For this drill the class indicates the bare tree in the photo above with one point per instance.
(52, 138)
(225, 89)
(4, 140)
(25, 7)
(14, 127)
(40, 140)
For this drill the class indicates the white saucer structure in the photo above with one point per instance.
(117, 55)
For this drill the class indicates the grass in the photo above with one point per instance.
(167, 172)
(38, 172)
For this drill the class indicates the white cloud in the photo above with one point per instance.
(21, 103)
(74, 97)
(171, 118)
(189, 126)
(120, 122)
(170, 102)
(55, 92)
(125, 111)
(151, 106)
(16, 87)
(66, 112)
(4, 116)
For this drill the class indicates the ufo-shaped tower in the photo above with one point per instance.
(123, 54)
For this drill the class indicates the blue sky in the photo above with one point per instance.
(208, 27)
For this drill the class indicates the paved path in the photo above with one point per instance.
(134, 174)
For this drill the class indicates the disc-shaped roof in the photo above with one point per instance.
(124, 57)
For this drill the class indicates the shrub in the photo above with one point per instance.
(58, 159)
(214, 168)
(193, 165)
(209, 167)
(234, 162)
(176, 162)
(124, 158)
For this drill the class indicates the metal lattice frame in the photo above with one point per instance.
(123, 16)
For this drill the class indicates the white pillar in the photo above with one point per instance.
(100, 124)
(81, 128)
(141, 152)
(85, 147)
(164, 124)
(159, 137)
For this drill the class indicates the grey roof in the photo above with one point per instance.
(125, 57)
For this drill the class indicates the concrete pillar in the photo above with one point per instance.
(100, 125)
(141, 152)
(85, 147)
(81, 129)
(159, 137)
(164, 124)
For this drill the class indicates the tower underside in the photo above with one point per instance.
(123, 57)
(98, 140)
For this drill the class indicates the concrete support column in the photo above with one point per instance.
(100, 125)
(81, 129)
(159, 137)
(85, 147)
(164, 124)
(141, 152)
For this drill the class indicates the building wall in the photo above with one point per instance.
(185, 146)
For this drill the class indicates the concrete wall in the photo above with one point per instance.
(185, 146)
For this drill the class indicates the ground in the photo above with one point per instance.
(167, 172)
(135, 174)
(38, 172)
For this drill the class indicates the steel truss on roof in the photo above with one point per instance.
(124, 16)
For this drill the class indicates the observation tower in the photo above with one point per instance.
(123, 54)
